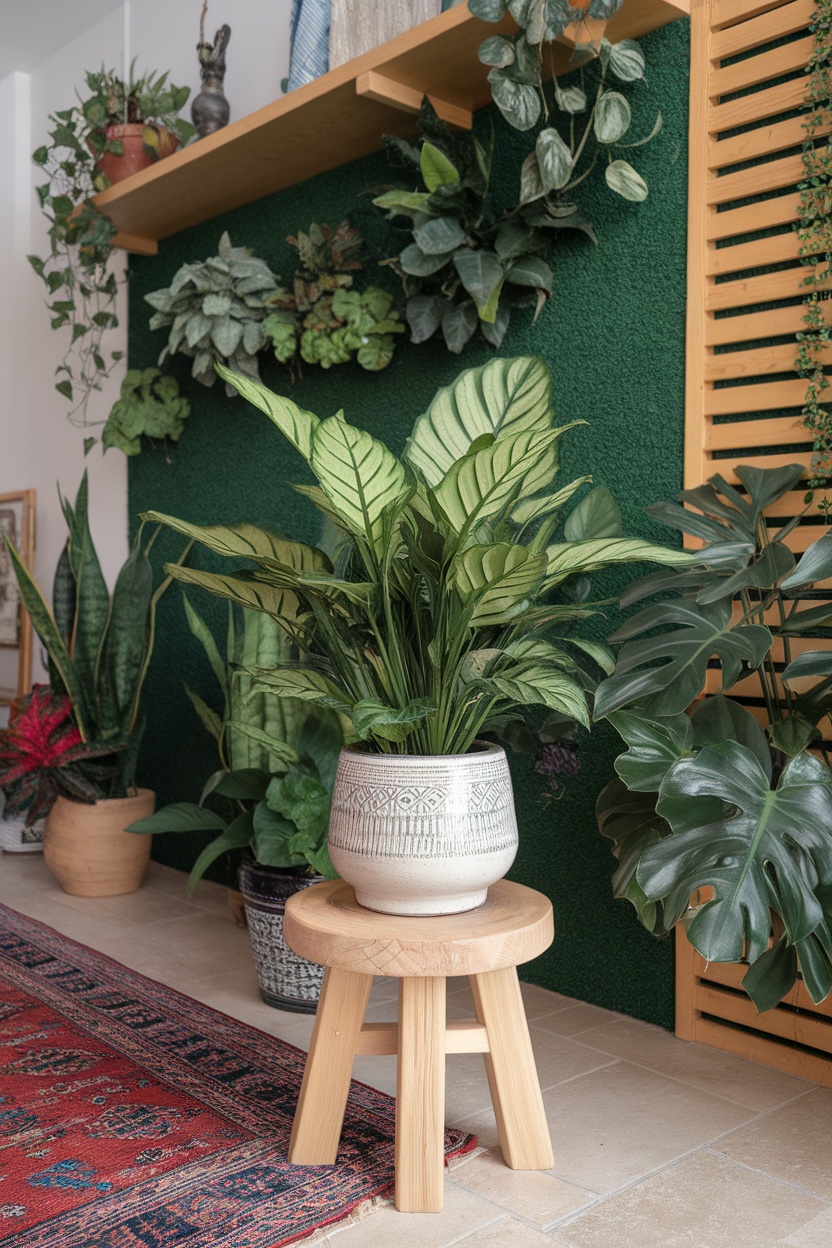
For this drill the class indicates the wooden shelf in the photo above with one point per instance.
(336, 119)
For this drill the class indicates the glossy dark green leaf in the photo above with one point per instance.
(597, 515)
(630, 821)
(654, 745)
(815, 565)
(717, 718)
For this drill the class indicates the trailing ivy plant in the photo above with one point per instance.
(150, 406)
(323, 320)
(814, 229)
(215, 309)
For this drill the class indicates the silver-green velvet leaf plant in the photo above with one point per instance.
(215, 309)
(273, 791)
(437, 619)
(723, 800)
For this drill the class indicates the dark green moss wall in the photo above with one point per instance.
(613, 334)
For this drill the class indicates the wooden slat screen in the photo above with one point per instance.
(743, 397)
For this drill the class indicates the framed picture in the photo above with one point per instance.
(17, 522)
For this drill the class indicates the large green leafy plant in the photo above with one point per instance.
(77, 271)
(150, 406)
(273, 792)
(215, 308)
(98, 646)
(712, 800)
(435, 621)
(323, 320)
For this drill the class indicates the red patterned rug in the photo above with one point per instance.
(134, 1117)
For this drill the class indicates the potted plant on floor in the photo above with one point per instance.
(734, 803)
(271, 798)
(435, 622)
(99, 647)
(114, 131)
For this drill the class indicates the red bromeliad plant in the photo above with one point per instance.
(42, 755)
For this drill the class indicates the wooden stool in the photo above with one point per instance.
(326, 924)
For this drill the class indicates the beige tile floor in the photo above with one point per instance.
(658, 1143)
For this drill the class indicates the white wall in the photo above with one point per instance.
(38, 446)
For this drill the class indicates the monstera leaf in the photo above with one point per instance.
(759, 849)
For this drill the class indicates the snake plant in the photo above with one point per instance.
(441, 615)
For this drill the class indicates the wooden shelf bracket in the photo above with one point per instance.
(375, 86)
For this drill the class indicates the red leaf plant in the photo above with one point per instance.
(42, 755)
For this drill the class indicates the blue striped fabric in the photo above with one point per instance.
(308, 41)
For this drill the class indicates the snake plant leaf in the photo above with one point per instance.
(48, 632)
(359, 476)
(503, 397)
(654, 746)
(293, 422)
(763, 572)
(484, 484)
(760, 849)
(815, 565)
(280, 752)
(124, 645)
(248, 542)
(568, 558)
(373, 718)
(202, 633)
(92, 601)
(699, 633)
(538, 685)
(497, 581)
(64, 595)
(630, 821)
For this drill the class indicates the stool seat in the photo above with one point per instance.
(326, 924)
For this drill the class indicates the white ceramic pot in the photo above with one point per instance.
(16, 838)
(423, 834)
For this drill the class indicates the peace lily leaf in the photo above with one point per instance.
(503, 397)
(760, 852)
(654, 745)
(554, 159)
(626, 60)
(700, 632)
(569, 558)
(359, 476)
(293, 422)
(435, 167)
(622, 178)
(246, 541)
(374, 719)
(815, 565)
(178, 817)
(612, 117)
(498, 580)
(276, 601)
(597, 515)
(439, 236)
(237, 835)
(305, 684)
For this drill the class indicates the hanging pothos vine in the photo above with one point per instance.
(814, 230)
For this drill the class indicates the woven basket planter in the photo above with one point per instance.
(287, 981)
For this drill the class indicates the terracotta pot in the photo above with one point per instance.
(421, 834)
(87, 850)
(136, 157)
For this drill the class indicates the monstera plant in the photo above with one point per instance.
(724, 799)
(444, 611)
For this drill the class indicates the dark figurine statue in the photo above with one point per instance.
(210, 110)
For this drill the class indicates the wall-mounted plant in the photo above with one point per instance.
(150, 406)
(814, 230)
(215, 309)
(83, 155)
(323, 320)
(463, 263)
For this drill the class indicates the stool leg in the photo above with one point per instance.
(326, 1079)
(420, 1096)
(512, 1076)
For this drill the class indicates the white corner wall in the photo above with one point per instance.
(39, 448)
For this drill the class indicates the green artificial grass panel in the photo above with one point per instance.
(613, 335)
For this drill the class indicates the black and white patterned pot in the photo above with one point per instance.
(287, 981)
(423, 834)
